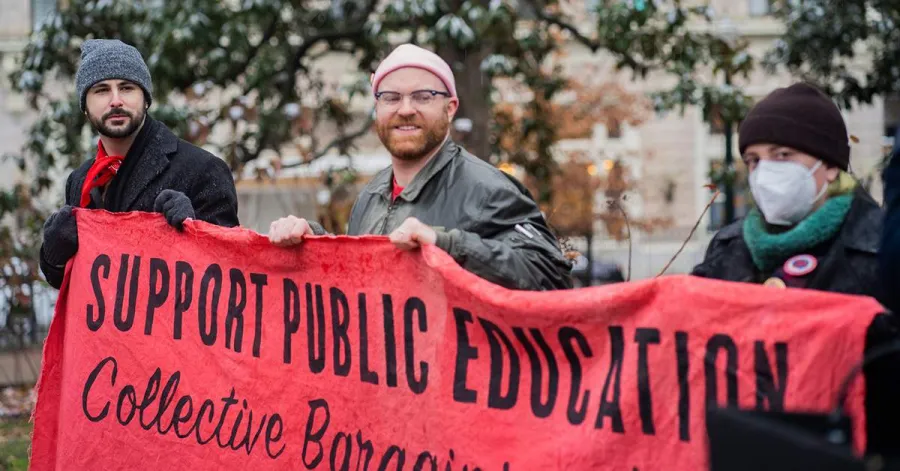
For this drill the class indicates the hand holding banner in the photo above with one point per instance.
(213, 349)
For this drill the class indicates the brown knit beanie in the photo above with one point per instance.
(800, 117)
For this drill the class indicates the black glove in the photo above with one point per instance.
(316, 228)
(175, 206)
(60, 237)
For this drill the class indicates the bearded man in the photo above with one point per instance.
(435, 192)
(140, 164)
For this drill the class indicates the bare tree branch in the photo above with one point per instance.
(240, 67)
(538, 8)
(691, 234)
(338, 141)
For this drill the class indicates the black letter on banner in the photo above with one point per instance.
(386, 459)
(184, 292)
(540, 409)
(274, 420)
(102, 261)
(766, 390)
(159, 275)
(496, 400)
(128, 322)
(348, 447)
(315, 324)
(424, 458)
(364, 446)
(613, 409)
(291, 315)
(316, 437)
(237, 301)
(575, 414)
(645, 337)
(124, 323)
(90, 383)
(716, 343)
(213, 274)
(390, 341)
(365, 375)
(414, 305)
(340, 321)
(684, 391)
(259, 280)
(464, 353)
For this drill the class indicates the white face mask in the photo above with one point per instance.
(785, 192)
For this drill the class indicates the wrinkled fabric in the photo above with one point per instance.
(410, 354)
(485, 220)
(849, 263)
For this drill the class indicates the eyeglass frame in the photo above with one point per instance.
(433, 94)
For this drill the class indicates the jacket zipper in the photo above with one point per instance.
(386, 218)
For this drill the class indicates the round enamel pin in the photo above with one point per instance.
(775, 282)
(800, 265)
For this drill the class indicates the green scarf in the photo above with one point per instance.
(769, 250)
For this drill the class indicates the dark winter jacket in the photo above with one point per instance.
(889, 259)
(848, 264)
(486, 221)
(165, 162)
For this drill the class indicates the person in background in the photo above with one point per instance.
(813, 226)
(436, 193)
(890, 242)
(140, 164)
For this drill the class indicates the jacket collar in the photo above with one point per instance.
(152, 163)
(383, 182)
(862, 228)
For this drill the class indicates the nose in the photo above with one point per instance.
(116, 100)
(406, 107)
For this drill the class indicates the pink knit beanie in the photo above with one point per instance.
(409, 55)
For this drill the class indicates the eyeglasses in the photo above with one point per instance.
(419, 98)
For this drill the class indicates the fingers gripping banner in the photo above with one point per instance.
(212, 349)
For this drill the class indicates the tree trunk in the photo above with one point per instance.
(473, 88)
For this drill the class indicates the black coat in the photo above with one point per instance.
(850, 266)
(166, 162)
(890, 244)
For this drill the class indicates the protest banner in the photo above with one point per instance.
(213, 349)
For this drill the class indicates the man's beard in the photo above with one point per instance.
(412, 148)
(134, 122)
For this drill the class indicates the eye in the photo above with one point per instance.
(783, 154)
(389, 98)
(422, 97)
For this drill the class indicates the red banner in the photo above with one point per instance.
(212, 349)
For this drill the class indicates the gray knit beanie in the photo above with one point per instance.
(107, 59)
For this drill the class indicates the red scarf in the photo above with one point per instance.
(395, 192)
(101, 172)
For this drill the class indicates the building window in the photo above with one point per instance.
(760, 7)
(615, 128)
(41, 11)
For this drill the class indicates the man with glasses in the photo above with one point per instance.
(435, 192)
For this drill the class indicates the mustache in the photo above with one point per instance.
(116, 112)
(406, 122)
